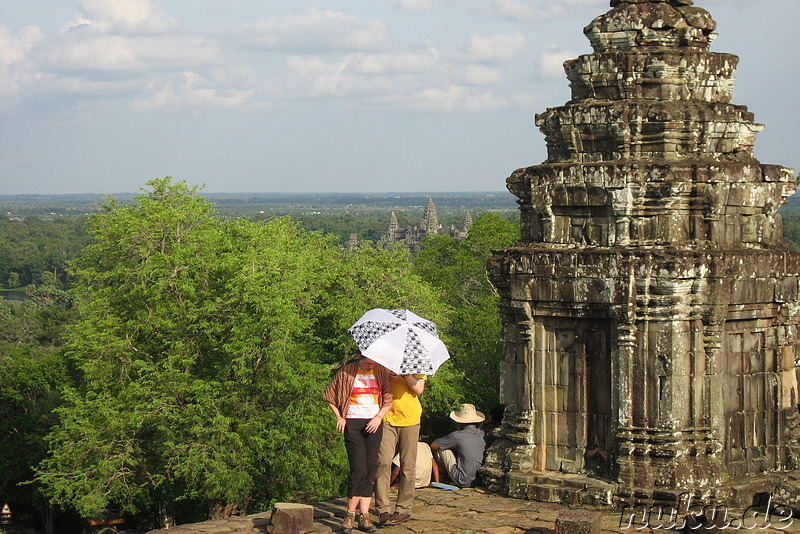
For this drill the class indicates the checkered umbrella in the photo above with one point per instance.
(400, 341)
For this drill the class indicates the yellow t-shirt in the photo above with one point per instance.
(406, 408)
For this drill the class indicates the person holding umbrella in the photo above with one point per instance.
(359, 396)
(401, 434)
(410, 347)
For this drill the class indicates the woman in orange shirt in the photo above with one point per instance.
(359, 396)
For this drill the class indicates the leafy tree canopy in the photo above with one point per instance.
(458, 269)
(204, 346)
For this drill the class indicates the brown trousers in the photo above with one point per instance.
(402, 440)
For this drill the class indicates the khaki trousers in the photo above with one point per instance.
(402, 440)
(447, 460)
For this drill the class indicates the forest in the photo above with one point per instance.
(168, 357)
(167, 361)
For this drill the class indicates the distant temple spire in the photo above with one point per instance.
(412, 235)
(430, 221)
(394, 227)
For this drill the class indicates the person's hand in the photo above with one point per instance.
(373, 425)
(340, 423)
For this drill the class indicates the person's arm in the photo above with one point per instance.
(395, 474)
(387, 398)
(435, 469)
(445, 442)
(340, 420)
(415, 384)
(376, 421)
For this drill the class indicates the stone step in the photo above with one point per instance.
(561, 488)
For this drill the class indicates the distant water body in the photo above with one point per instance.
(13, 295)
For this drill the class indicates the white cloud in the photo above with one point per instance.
(496, 48)
(317, 31)
(440, 99)
(735, 3)
(423, 61)
(481, 75)
(113, 49)
(590, 3)
(128, 49)
(414, 5)
(126, 36)
(120, 16)
(16, 70)
(539, 10)
(192, 91)
(532, 102)
(317, 77)
(413, 81)
(551, 62)
(523, 11)
(365, 76)
(305, 65)
(77, 89)
(484, 102)
(128, 11)
(449, 98)
(108, 53)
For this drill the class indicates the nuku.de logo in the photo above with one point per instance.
(692, 515)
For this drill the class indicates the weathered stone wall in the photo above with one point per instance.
(650, 311)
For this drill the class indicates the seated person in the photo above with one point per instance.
(460, 453)
(425, 467)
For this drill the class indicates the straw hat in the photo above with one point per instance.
(467, 414)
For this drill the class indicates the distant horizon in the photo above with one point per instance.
(19, 206)
(408, 95)
(5, 196)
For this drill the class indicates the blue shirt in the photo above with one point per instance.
(468, 445)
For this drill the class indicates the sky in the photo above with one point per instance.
(246, 96)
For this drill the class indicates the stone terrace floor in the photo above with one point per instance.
(465, 511)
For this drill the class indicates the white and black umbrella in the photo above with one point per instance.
(400, 340)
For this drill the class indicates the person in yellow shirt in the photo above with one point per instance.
(400, 435)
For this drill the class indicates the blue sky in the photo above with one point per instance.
(100, 96)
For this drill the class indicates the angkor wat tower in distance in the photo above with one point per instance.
(650, 311)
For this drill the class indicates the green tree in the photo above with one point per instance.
(30, 379)
(33, 370)
(373, 277)
(791, 230)
(458, 269)
(33, 248)
(204, 346)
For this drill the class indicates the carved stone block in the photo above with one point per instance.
(291, 518)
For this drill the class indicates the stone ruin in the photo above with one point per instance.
(650, 311)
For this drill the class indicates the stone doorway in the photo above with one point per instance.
(574, 400)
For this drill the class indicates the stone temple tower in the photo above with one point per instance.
(650, 311)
